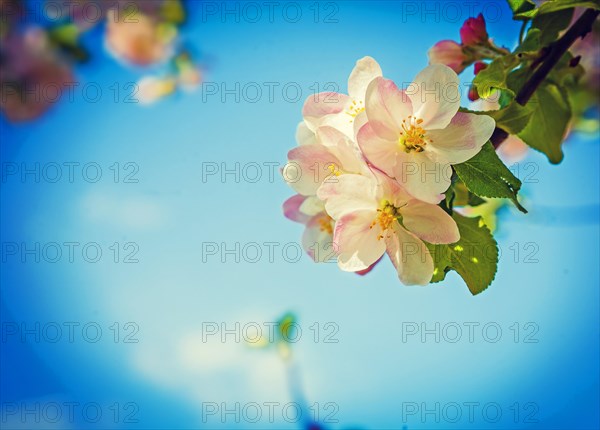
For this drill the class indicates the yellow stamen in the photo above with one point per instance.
(355, 109)
(413, 136)
(325, 224)
(386, 215)
(334, 170)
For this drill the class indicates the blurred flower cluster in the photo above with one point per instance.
(41, 46)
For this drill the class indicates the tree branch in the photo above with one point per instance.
(554, 53)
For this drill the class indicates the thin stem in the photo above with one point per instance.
(553, 54)
(522, 32)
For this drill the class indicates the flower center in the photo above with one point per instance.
(334, 169)
(355, 108)
(413, 136)
(386, 215)
(325, 224)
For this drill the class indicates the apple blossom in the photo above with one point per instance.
(374, 215)
(317, 240)
(344, 112)
(415, 135)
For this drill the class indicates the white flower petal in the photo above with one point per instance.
(423, 178)
(304, 135)
(311, 206)
(461, 139)
(410, 256)
(435, 96)
(348, 193)
(364, 72)
(343, 148)
(429, 222)
(317, 239)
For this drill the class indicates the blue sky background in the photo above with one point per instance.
(372, 374)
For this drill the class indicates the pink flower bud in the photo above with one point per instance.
(473, 31)
(449, 53)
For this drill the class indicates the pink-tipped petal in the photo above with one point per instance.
(358, 245)
(291, 209)
(308, 167)
(386, 107)
(380, 152)
(368, 269)
(318, 107)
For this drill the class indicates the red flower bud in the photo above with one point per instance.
(479, 66)
(473, 94)
(473, 31)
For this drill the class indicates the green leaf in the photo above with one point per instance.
(556, 5)
(486, 176)
(548, 124)
(493, 77)
(517, 78)
(513, 118)
(551, 24)
(563, 74)
(474, 257)
(521, 6)
(531, 42)
(474, 200)
(461, 196)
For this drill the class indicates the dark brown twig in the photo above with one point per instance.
(553, 54)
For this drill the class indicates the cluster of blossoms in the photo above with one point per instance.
(371, 168)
